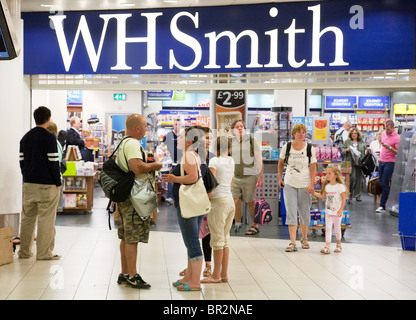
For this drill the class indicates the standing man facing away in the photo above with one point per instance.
(39, 164)
(390, 141)
(131, 228)
(342, 134)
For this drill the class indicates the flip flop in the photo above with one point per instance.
(211, 280)
(177, 283)
(185, 287)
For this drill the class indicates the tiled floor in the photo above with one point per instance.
(371, 266)
(259, 269)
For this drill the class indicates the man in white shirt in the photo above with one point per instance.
(342, 134)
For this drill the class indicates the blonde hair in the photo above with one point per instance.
(298, 127)
(338, 177)
(52, 127)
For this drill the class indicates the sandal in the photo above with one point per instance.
(338, 249)
(252, 231)
(305, 244)
(211, 280)
(207, 271)
(185, 287)
(292, 247)
(325, 250)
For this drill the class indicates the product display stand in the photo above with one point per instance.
(78, 193)
(403, 169)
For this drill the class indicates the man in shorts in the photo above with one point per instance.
(131, 228)
(248, 172)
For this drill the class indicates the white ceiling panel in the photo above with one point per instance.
(81, 5)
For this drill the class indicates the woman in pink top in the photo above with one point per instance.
(390, 140)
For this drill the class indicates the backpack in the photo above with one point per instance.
(308, 151)
(262, 211)
(115, 182)
(338, 142)
(368, 164)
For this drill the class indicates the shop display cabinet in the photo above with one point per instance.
(403, 179)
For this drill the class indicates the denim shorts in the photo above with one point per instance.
(190, 235)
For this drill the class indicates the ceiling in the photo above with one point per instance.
(82, 5)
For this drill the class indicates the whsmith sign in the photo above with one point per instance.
(300, 36)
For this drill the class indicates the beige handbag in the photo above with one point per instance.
(193, 198)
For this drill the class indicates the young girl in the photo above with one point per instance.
(335, 192)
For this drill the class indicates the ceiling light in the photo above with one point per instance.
(127, 4)
(170, 1)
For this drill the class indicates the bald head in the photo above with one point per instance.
(136, 126)
(134, 120)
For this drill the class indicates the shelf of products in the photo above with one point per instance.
(78, 193)
(97, 143)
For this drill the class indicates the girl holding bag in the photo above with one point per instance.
(190, 140)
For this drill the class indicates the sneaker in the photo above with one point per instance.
(122, 278)
(380, 210)
(137, 282)
(169, 201)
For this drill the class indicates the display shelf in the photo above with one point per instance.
(404, 168)
(78, 198)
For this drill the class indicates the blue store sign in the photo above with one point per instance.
(373, 103)
(276, 37)
(340, 103)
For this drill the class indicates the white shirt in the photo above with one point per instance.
(224, 167)
(297, 172)
(375, 148)
(333, 198)
(344, 134)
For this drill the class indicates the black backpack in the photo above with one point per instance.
(115, 182)
(368, 164)
(308, 151)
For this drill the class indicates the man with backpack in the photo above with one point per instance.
(131, 228)
(342, 134)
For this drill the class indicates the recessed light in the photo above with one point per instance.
(170, 1)
(127, 4)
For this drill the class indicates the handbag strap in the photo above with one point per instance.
(197, 164)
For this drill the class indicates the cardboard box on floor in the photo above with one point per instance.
(6, 245)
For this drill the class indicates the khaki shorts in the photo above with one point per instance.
(131, 228)
(244, 187)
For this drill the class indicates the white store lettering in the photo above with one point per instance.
(293, 33)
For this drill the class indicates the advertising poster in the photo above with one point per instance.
(230, 105)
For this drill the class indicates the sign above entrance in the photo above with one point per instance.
(277, 37)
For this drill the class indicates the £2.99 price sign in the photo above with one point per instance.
(229, 106)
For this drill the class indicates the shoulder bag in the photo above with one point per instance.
(193, 198)
(143, 195)
(210, 182)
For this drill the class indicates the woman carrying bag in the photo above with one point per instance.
(354, 150)
(189, 172)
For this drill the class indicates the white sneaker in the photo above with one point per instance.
(169, 201)
(380, 210)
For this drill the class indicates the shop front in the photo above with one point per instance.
(328, 61)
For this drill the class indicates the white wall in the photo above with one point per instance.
(291, 98)
(94, 102)
(15, 119)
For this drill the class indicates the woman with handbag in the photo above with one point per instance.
(184, 176)
(355, 143)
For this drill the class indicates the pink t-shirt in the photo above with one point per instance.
(392, 140)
